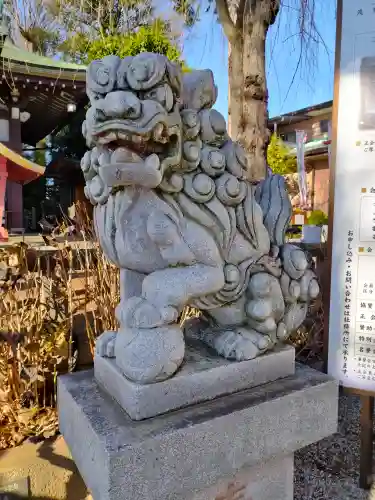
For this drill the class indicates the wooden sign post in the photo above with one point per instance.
(351, 335)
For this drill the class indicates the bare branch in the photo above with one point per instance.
(225, 20)
(240, 14)
(297, 30)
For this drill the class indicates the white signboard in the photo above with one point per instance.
(351, 355)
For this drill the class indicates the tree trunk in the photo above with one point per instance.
(248, 97)
(253, 133)
(235, 91)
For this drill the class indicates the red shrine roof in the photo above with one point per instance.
(19, 168)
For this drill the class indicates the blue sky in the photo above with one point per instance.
(205, 47)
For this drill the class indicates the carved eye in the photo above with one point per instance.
(163, 95)
(140, 72)
(94, 114)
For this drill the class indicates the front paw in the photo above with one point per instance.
(240, 344)
(105, 345)
(140, 313)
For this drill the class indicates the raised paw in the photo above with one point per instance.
(105, 345)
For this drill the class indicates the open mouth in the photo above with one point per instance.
(139, 145)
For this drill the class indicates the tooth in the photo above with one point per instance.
(105, 139)
(123, 136)
(158, 131)
(136, 139)
(121, 155)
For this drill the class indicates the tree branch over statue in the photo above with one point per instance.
(246, 24)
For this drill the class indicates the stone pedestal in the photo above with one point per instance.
(238, 446)
(203, 376)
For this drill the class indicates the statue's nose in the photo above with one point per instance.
(120, 104)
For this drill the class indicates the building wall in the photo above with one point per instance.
(306, 125)
(321, 185)
(14, 205)
(318, 170)
(11, 137)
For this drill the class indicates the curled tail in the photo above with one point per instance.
(273, 198)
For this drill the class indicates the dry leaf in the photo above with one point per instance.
(32, 347)
(37, 312)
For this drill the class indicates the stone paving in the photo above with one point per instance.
(330, 469)
(48, 468)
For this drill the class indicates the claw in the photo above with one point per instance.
(169, 314)
(233, 344)
(105, 345)
(111, 348)
(237, 343)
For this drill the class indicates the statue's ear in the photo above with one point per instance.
(199, 90)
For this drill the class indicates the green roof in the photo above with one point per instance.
(22, 61)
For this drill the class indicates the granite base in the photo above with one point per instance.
(203, 377)
(195, 452)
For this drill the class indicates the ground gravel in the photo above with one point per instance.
(329, 469)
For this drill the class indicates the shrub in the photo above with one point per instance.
(317, 218)
(279, 158)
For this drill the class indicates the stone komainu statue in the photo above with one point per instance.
(174, 212)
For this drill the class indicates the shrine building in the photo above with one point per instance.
(37, 98)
